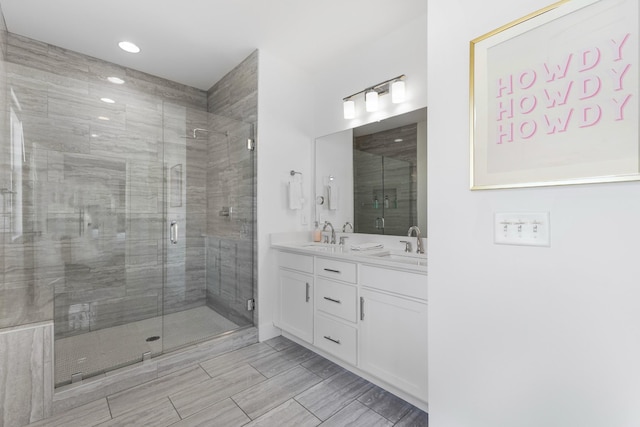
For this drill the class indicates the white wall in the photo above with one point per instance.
(401, 51)
(522, 336)
(284, 143)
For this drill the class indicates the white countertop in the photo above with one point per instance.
(389, 256)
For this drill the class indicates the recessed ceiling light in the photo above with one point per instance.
(103, 118)
(129, 47)
(94, 135)
(108, 100)
(115, 80)
(397, 140)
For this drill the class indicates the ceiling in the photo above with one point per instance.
(196, 42)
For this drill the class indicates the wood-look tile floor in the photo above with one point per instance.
(275, 383)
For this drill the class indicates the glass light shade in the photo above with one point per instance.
(371, 101)
(349, 107)
(397, 92)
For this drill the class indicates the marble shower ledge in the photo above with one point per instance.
(26, 373)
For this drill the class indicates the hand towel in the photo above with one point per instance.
(295, 193)
(332, 194)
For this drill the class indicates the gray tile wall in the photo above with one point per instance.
(231, 179)
(93, 194)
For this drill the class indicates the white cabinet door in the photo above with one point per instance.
(296, 304)
(393, 340)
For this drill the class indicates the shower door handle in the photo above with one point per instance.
(173, 232)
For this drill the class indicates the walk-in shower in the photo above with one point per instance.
(131, 222)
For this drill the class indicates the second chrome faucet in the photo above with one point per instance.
(414, 229)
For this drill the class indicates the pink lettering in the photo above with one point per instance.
(528, 129)
(528, 104)
(505, 134)
(505, 109)
(590, 87)
(619, 106)
(527, 79)
(590, 58)
(505, 85)
(557, 71)
(558, 97)
(617, 46)
(590, 116)
(618, 75)
(558, 124)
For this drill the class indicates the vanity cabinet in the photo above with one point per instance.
(372, 317)
(295, 295)
(393, 328)
(336, 308)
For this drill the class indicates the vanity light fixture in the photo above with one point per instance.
(371, 100)
(397, 91)
(129, 47)
(395, 86)
(349, 107)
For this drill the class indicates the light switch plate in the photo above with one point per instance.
(522, 229)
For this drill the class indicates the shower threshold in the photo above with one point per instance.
(107, 349)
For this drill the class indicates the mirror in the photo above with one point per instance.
(374, 177)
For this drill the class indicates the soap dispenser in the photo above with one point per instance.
(317, 233)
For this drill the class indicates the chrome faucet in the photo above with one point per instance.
(347, 224)
(420, 249)
(333, 232)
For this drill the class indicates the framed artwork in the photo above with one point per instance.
(554, 97)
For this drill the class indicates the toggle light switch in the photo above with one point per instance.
(528, 229)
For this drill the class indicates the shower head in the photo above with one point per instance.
(198, 130)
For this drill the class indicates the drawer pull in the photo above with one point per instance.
(308, 294)
(331, 339)
(337, 301)
(361, 308)
(330, 270)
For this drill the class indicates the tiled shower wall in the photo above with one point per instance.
(231, 272)
(93, 190)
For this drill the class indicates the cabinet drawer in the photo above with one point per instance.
(337, 299)
(400, 282)
(334, 269)
(296, 261)
(336, 338)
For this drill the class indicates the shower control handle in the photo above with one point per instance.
(173, 232)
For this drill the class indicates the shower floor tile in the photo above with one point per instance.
(109, 348)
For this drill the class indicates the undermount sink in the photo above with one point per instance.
(324, 247)
(405, 257)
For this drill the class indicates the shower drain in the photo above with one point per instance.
(153, 338)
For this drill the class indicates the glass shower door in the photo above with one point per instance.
(83, 216)
(209, 274)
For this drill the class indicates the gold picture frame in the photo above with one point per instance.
(554, 97)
